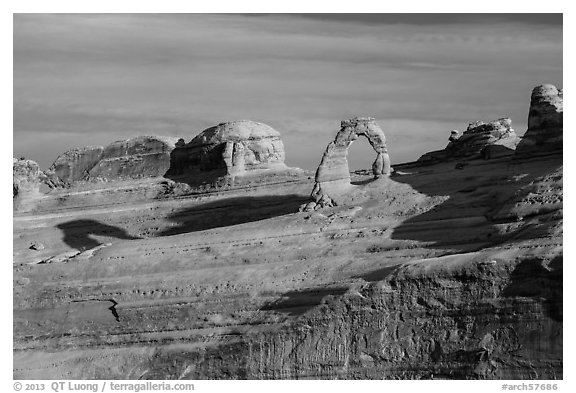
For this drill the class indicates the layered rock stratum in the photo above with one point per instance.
(429, 273)
(227, 150)
(139, 157)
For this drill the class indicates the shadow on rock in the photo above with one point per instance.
(477, 199)
(540, 281)
(232, 211)
(77, 233)
(296, 303)
(378, 274)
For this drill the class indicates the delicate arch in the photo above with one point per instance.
(333, 173)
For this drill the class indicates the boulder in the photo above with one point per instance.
(228, 150)
(545, 122)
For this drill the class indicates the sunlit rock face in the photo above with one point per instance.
(75, 164)
(26, 176)
(486, 140)
(143, 156)
(545, 121)
(230, 149)
(28, 183)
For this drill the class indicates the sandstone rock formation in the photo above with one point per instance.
(230, 149)
(480, 140)
(143, 156)
(545, 121)
(28, 182)
(333, 174)
(27, 177)
(75, 164)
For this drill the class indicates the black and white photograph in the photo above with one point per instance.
(286, 196)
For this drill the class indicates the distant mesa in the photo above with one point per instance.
(229, 149)
(545, 122)
(140, 157)
(486, 140)
(333, 174)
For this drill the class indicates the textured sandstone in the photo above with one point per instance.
(230, 149)
(545, 121)
(27, 177)
(75, 164)
(143, 156)
(480, 140)
(333, 175)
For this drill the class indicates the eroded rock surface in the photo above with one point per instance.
(545, 121)
(333, 174)
(75, 164)
(230, 149)
(493, 139)
(28, 181)
(143, 156)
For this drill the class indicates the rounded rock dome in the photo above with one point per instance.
(234, 131)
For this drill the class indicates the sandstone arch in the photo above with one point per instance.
(333, 175)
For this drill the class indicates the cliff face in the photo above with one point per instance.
(481, 321)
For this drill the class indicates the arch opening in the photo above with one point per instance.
(333, 174)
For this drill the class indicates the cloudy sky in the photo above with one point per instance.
(90, 79)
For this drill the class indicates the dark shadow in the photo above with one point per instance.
(233, 211)
(77, 233)
(533, 279)
(466, 220)
(378, 274)
(193, 165)
(296, 303)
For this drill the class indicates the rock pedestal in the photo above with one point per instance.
(545, 122)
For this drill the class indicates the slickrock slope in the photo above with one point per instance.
(228, 150)
(480, 140)
(426, 277)
(431, 272)
(545, 121)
